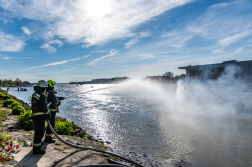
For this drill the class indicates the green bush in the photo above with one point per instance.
(8, 102)
(60, 119)
(64, 128)
(2, 94)
(24, 121)
(17, 110)
(7, 97)
(12, 105)
(4, 136)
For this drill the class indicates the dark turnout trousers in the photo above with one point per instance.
(39, 129)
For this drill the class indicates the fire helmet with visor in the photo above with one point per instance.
(51, 83)
(42, 84)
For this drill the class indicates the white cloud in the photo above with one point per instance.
(223, 5)
(69, 69)
(181, 42)
(26, 31)
(213, 31)
(10, 43)
(232, 39)
(218, 51)
(146, 56)
(173, 41)
(136, 39)
(131, 43)
(55, 63)
(145, 34)
(6, 58)
(100, 51)
(111, 53)
(239, 50)
(89, 22)
(49, 48)
(225, 22)
(56, 41)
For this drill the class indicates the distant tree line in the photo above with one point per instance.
(167, 77)
(103, 81)
(10, 82)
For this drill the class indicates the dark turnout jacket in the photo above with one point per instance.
(39, 103)
(51, 97)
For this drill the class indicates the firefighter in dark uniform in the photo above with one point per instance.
(40, 112)
(53, 108)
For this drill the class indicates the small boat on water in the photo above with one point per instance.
(22, 89)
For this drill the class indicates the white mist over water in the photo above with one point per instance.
(208, 123)
(221, 97)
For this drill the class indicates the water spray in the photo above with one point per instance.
(86, 92)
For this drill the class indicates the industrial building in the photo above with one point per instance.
(239, 69)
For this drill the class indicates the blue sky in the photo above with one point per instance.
(86, 39)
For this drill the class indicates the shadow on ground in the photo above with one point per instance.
(30, 159)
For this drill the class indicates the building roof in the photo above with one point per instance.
(218, 64)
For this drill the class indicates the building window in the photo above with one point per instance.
(216, 73)
(195, 72)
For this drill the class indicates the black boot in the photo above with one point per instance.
(38, 150)
(49, 140)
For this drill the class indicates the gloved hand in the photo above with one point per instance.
(61, 98)
(48, 116)
(58, 103)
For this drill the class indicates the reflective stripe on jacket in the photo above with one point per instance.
(39, 106)
(51, 97)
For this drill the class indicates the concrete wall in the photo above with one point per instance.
(244, 71)
(250, 71)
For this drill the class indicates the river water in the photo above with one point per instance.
(162, 122)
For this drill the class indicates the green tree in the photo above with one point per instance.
(26, 83)
(18, 82)
(5, 81)
(10, 82)
(168, 75)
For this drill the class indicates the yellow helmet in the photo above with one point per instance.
(51, 83)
